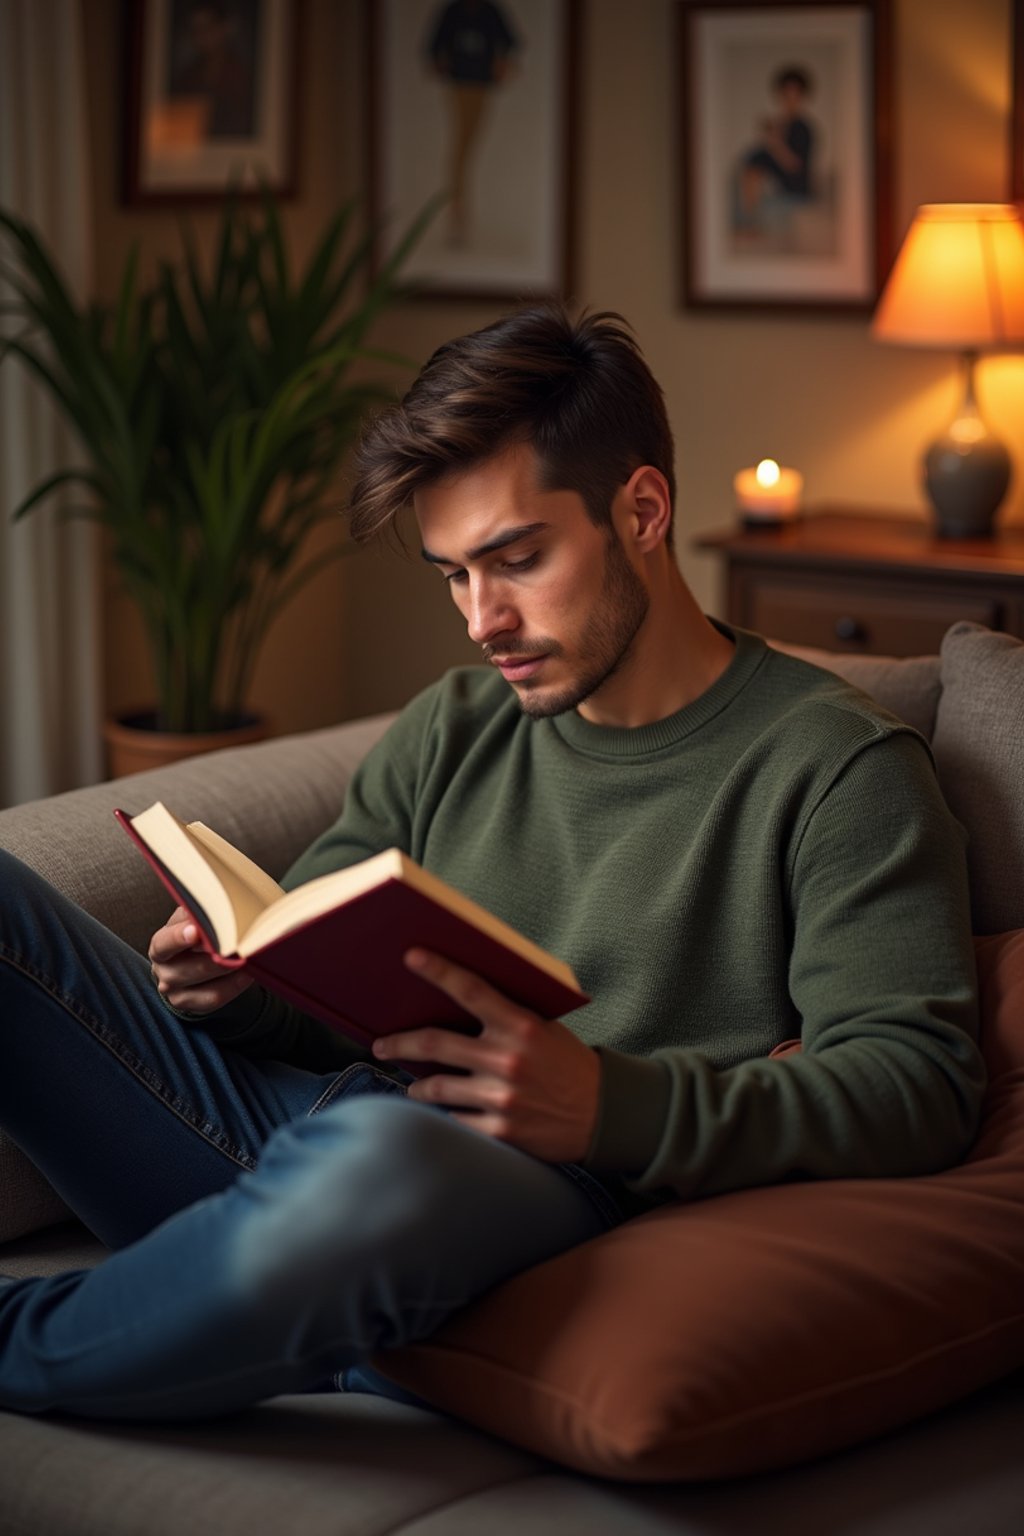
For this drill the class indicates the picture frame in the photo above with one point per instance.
(211, 99)
(785, 126)
(485, 123)
(1017, 107)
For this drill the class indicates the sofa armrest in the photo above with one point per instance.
(271, 800)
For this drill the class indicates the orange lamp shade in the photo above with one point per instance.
(958, 281)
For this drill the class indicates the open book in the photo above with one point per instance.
(334, 947)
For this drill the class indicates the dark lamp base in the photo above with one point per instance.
(966, 472)
(966, 487)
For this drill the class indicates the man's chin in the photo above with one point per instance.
(542, 703)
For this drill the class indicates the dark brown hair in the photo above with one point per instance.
(577, 390)
(793, 74)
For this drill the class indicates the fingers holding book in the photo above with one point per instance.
(523, 1079)
(186, 976)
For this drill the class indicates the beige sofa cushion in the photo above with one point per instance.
(270, 800)
(979, 751)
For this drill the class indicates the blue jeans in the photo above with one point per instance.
(272, 1227)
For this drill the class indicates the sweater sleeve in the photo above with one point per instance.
(889, 1081)
(264, 1027)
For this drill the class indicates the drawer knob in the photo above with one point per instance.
(850, 630)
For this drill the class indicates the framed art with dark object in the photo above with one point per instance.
(475, 101)
(1017, 109)
(211, 99)
(785, 129)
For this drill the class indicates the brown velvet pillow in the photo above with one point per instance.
(761, 1328)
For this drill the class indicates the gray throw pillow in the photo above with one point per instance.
(979, 750)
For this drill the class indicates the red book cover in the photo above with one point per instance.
(345, 966)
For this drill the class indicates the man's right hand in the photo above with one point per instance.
(185, 974)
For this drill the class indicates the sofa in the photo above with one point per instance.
(810, 1358)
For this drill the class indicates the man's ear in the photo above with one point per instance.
(647, 503)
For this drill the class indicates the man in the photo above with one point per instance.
(209, 66)
(471, 48)
(782, 159)
(730, 848)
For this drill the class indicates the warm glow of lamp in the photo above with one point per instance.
(958, 283)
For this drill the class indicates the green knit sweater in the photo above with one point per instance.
(774, 860)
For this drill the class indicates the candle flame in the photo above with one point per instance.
(767, 473)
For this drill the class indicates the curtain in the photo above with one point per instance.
(49, 606)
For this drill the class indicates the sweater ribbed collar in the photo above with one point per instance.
(611, 741)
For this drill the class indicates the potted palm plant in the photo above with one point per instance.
(214, 406)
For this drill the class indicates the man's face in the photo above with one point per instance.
(792, 98)
(208, 30)
(552, 599)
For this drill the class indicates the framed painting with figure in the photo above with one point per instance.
(473, 102)
(1017, 109)
(211, 99)
(785, 129)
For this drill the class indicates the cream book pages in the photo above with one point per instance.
(229, 887)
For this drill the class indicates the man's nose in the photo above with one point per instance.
(488, 614)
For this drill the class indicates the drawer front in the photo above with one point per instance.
(842, 616)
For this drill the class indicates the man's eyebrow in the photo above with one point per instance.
(500, 541)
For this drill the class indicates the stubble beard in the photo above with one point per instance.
(606, 642)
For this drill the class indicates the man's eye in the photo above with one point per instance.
(522, 565)
(455, 576)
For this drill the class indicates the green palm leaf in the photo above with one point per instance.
(214, 409)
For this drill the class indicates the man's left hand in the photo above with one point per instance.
(528, 1080)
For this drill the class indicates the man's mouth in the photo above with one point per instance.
(516, 669)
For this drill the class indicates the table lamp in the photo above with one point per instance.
(958, 283)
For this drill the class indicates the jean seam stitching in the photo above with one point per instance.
(603, 1202)
(116, 1046)
(336, 1088)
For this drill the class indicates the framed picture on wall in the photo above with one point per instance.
(1017, 111)
(211, 99)
(785, 136)
(473, 102)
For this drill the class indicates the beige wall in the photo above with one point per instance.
(816, 393)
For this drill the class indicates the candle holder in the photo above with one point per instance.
(767, 495)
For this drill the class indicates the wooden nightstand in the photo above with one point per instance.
(849, 582)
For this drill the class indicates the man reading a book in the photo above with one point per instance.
(731, 849)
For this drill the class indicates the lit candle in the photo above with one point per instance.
(768, 493)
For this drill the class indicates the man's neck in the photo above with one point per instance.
(676, 656)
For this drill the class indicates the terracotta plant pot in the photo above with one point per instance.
(133, 745)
